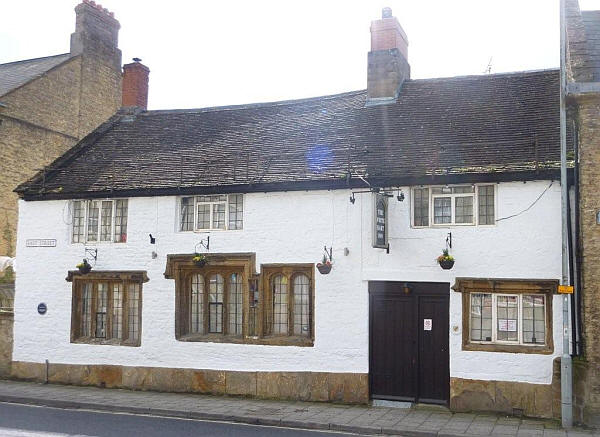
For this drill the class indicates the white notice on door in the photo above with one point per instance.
(427, 324)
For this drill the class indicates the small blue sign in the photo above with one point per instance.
(42, 308)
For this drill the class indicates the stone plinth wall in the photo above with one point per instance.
(306, 386)
(533, 400)
(6, 342)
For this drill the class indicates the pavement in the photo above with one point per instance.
(420, 421)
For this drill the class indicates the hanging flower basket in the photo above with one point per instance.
(84, 267)
(324, 269)
(324, 266)
(199, 260)
(445, 260)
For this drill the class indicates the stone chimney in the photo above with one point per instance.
(135, 84)
(388, 64)
(96, 33)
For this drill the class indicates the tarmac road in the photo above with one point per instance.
(18, 420)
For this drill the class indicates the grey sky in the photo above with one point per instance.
(209, 53)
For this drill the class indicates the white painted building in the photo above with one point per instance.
(259, 318)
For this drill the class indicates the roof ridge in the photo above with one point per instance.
(34, 59)
(489, 76)
(244, 106)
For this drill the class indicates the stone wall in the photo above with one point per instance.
(518, 398)
(6, 343)
(587, 376)
(306, 386)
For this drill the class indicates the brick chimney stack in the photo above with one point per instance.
(96, 33)
(135, 84)
(388, 64)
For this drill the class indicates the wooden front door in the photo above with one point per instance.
(408, 341)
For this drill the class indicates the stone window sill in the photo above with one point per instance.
(269, 341)
(509, 348)
(103, 341)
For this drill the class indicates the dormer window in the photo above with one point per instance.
(96, 221)
(211, 212)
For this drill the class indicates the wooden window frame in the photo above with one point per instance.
(197, 202)
(452, 196)
(181, 268)
(85, 207)
(111, 278)
(498, 287)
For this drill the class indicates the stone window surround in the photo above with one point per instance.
(180, 267)
(466, 286)
(77, 279)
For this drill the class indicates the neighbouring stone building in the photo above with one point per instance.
(583, 92)
(204, 231)
(48, 104)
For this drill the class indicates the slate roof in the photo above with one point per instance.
(16, 74)
(491, 126)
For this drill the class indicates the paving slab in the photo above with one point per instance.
(419, 421)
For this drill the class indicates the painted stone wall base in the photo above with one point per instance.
(305, 386)
(533, 400)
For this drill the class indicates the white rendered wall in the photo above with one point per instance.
(288, 227)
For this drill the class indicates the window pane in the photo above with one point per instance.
(301, 305)
(464, 210)
(508, 313)
(197, 302)
(534, 319)
(203, 216)
(78, 221)
(86, 309)
(93, 213)
(101, 304)
(481, 317)
(463, 189)
(442, 210)
(236, 208)
(486, 205)
(235, 304)
(121, 221)
(106, 220)
(218, 216)
(421, 206)
(215, 303)
(280, 305)
(117, 312)
(133, 318)
(186, 217)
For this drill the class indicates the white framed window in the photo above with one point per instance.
(459, 205)
(95, 221)
(519, 319)
(211, 212)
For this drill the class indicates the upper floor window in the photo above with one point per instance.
(453, 205)
(99, 221)
(107, 307)
(211, 212)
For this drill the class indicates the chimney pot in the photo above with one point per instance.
(386, 12)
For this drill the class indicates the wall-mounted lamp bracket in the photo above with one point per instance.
(204, 243)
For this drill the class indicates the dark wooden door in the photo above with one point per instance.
(408, 348)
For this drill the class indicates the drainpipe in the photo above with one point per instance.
(566, 365)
